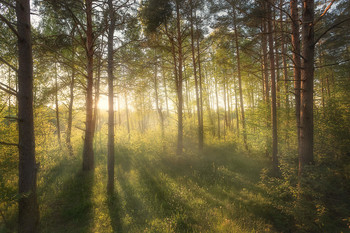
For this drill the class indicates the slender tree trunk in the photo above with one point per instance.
(110, 162)
(88, 152)
(265, 63)
(228, 106)
(208, 99)
(95, 117)
(57, 108)
(284, 59)
(165, 91)
(187, 99)
(236, 105)
(217, 105)
(28, 215)
(297, 62)
(179, 83)
(200, 130)
(127, 113)
(307, 82)
(119, 111)
(70, 108)
(277, 59)
(201, 124)
(240, 80)
(159, 109)
(273, 93)
(225, 106)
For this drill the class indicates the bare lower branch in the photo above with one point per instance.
(9, 144)
(8, 4)
(8, 91)
(324, 12)
(13, 91)
(330, 28)
(8, 23)
(8, 64)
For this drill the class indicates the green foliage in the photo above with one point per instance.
(155, 12)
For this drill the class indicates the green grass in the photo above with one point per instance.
(220, 190)
(158, 191)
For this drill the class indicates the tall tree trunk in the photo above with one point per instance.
(228, 106)
(165, 90)
(97, 96)
(200, 130)
(277, 58)
(240, 79)
(159, 109)
(88, 152)
(236, 106)
(209, 102)
(127, 113)
(110, 162)
(307, 82)
(273, 92)
(70, 108)
(201, 124)
(57, 109)
(179, 83)
(284, 58)
(225, 105)
(28, 215)
(297, 62)
(217, 105)
(119, 112)
(265, 62)
(187, 98)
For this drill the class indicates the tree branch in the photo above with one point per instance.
(8, 4)
(8, 144)
(324, 12)
(330, 28)
(8, 89)
(8, 23)
(9, 65)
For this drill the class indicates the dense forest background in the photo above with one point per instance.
(174, 116)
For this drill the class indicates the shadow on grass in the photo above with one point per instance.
(222, 177)
(69, 210)
(115, 212)
(168, 204)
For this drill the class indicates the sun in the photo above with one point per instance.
(103, 103)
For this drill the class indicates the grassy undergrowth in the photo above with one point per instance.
(157, 191)
(220, 190)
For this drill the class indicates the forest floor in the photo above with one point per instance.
(157, 191)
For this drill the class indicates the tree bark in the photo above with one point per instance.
(70, 109)
(179, 83)
(127, 114)
(265, 62)
(277, 58)
(199, 112)
(201, 125)
(88, 152)
(240, 80)
(165, 91)
(217, 105)
(297, 62)
(57, 109)
(284, 59)
(307, 82)
(273, 93)
(236, 105)
(28, 215)
(110, 162)
(159, 109)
